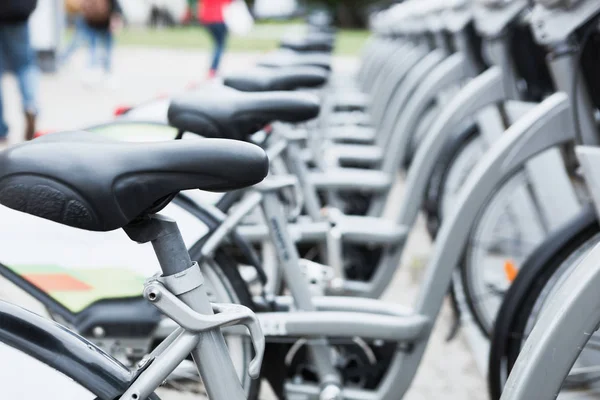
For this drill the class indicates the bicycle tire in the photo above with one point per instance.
(65, 352)
(96, 384)
(483, 302)
(524, 291)
(435, 194)
(426, 120)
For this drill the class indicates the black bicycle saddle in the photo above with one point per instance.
(98, 184)
(287, 58)
(230, 114)
(309, 43)
(261, 79)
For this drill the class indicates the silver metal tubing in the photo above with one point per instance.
(564, 67)
(564, 327)
(162, 366)
(301, 232)
(588, 157)
(349, 304)
(346, 179)
(231, 222)
(210, 355)
(423, 65)
(485, 90)
(544, 127)
(499, 51)
(450, 71)
(343, 324)
(289, 260)
(299, 168)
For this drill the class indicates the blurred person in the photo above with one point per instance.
(81, 33)
(190, 12)
(103, 18)
(211, 16)
(17, 55)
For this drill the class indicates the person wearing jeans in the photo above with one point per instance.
(81, 36)
(101, 37)
(17, 55)
(211, 16)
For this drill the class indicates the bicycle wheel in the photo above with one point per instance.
(506, 231)
(427, 119)
(459, 157)
(59, 360)
(47, 380)
(112, 378)
(539, 276)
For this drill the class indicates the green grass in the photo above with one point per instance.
(264, 37)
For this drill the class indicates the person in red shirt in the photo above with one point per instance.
(211, 16)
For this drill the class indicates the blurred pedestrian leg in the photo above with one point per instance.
(218, 32)
(81, 36)
(18, 56)
(211, 16)
(101, 45)
(103, 17)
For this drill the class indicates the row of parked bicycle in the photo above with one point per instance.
(490, 109)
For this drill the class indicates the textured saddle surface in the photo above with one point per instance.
(87, 181)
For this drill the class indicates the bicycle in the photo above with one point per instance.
(87, 193)
(547, 270)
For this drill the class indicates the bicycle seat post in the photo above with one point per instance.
(184, 279)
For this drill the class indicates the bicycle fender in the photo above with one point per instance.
(64, 351)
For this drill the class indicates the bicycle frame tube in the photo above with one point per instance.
(367, 54)
(381, 87)
(588, 157)
(298, 167)
(400, 97)
(394, 68)
(402, 66)
(563, 68)
(487, 89)
(378, 57)
(461, 40)
(208, 349)
(545, 126)
(449, 71)
(567, 320)
(414, 76)
(408, 71)
(419, 70)
(484, 90)
(500, 54)
(440, 42)
(558, 337)
(492, 21)
(289, 260)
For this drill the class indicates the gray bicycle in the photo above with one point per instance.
(76, 180)
(556, 340)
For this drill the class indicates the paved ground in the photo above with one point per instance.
(448, 371)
